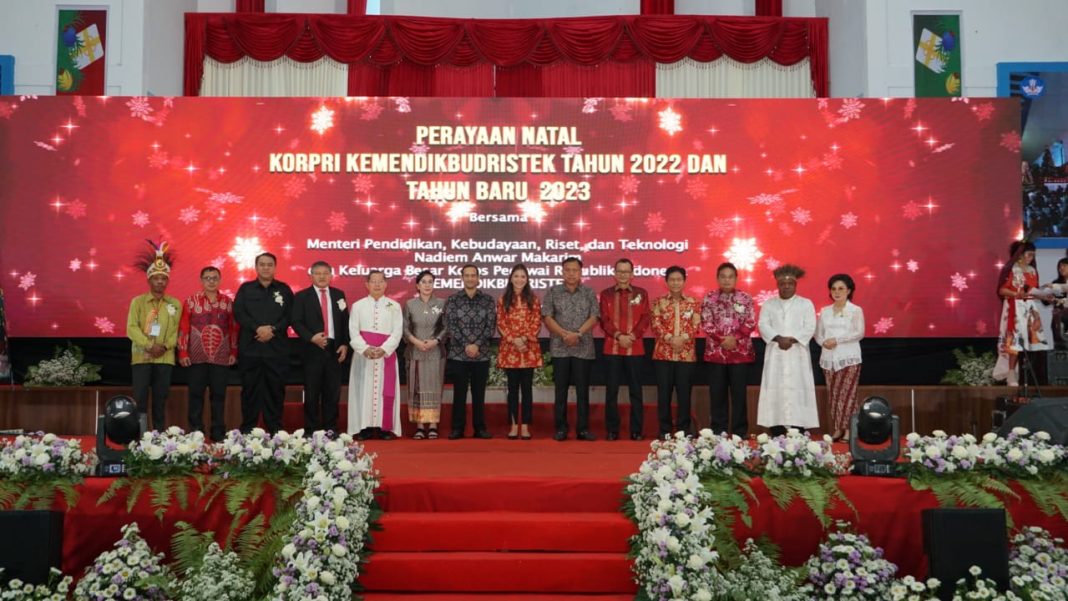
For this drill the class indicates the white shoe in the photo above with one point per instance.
(1013, 379)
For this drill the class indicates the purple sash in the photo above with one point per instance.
(389, 384)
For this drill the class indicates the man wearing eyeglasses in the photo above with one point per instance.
(207, 347)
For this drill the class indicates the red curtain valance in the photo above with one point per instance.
(388, 40)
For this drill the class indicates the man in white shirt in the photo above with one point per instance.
(787, 387)
(375, 328)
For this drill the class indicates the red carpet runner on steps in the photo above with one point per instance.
(502, 519)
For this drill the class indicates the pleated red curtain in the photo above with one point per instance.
(769, 8)
(357, 7)
(658, 7)
(588, 56)
(249, 6)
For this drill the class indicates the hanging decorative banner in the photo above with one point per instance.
(80, 41)
(937, 43)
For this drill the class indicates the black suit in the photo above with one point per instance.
(263, 365)
(322, 372)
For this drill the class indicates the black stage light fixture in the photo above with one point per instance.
(121, 424)
(875, 424)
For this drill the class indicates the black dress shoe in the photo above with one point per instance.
(387, 435)
(483, 435)
(560, 435)
(586, 435)
(612, 436)
(455, 434)
(635, 435)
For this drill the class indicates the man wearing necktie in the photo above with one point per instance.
(320, 319)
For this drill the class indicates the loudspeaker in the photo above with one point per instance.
(1048, 415)
(957, 539)
(32, 545)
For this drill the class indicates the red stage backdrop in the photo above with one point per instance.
(917, 199)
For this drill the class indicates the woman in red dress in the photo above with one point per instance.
(519, 321)
(1021, 326)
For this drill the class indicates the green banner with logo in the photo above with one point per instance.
(936, 47)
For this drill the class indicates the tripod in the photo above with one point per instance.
(1027, 377)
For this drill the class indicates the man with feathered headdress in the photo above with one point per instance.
(152, 327)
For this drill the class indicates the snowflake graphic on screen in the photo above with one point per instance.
(912, 266)
(189, 215)
(218, 262)
(75, 264)
(801, 216)
(75, 208)
(654, 222)
(849, 221)
(294, 187)
(225, 198)
(322, 120)
(850, 109)
(628, 184)
(27, 280)
(786, 228)
(772, 263)
(761, 297)
(371, 111)
(272, 226)
(983, 111)
(572, 150)
(139, 107)
(980, 327)
(403, 105)
(140, 218)
(832, 161)
(1010, 140)
(105, 325)
(883, 325)
(670, 121)
(765, 199)
(245, 251)
(417, 149)
(337, 221)
(911, 210)
(696, 188)
(910, 107)
(720, 227)
(158, 159)
(621, 112)
(958, 281)
(743, 252)
(362, 184)
(533, 211)
(589, 105)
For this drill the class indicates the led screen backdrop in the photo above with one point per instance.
(917, 199)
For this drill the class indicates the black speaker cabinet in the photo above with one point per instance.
(957, 539)
(1049, 415)
(32, 544)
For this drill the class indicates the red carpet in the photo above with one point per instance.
(502, 519)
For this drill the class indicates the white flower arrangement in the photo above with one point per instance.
(65, 368)
(944, 454)
(1038, 565)
(322, 558)
(1022, 454)
(56, 589)
(40, 457)
(260, 452)
(795, 454)
(758, 577)
(168, 453)
(129, 571)
(847, 567)
(673, 550)
(219, 577)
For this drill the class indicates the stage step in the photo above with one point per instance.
(599, 532)
(499, 572)
(501, 494)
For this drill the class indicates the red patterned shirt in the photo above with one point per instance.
(520, 320)
(208, 331)
(729, 314)
(673, 317)
(624, 311)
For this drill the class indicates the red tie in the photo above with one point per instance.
(325, 306)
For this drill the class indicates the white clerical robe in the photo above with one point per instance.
(787, 389)
(368, 385)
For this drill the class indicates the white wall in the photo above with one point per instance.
(993, 31)
(165, 40)
(848, 64)
(27, 31)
